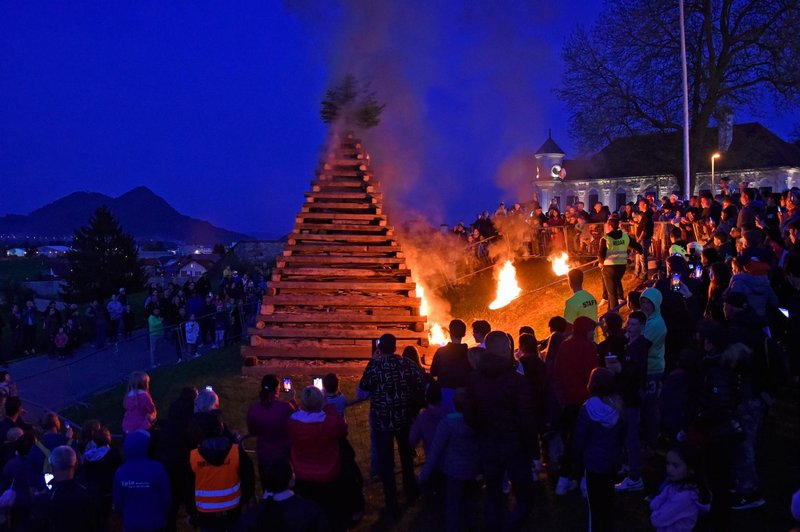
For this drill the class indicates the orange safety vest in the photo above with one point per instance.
(216, 488)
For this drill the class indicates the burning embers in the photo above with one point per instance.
(560, 263)
(436, 333)
(507, 287)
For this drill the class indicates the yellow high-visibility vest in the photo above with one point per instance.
(617, 249)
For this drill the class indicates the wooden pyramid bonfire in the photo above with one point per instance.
(342, 280)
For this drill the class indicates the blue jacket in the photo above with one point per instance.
(598, 437)
(141, 487)
(454, 450)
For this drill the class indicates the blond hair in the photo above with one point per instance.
(139, 380)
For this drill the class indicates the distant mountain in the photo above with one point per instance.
(141, 212)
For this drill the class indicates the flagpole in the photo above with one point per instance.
(686, 192)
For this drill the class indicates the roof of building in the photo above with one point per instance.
(753, 146)
(549, 146)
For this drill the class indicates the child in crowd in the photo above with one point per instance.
(682, 497)
(454, 452)
(140, 411)
(424, 427)
(597, 444)
(333, 397)
(61, 340)
(192, 329)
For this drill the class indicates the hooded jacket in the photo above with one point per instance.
(599, 436)
(655, 330)
(676, 509)
(758, 291)
(577, 357)
(499, 407)
(141, 488)
(315, 444)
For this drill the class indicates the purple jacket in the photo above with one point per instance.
(269, 423)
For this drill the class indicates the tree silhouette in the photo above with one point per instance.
(353, 103)
(623, 76)
(102, 260)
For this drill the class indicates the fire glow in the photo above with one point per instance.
(560, 263)
(507, 287)
(436, 333)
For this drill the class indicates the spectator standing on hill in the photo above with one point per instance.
(267, 421)
(141, 490)
(51, 438)
(192, 333)
(69, 505)
(17, 325)
(500, 410)
(115, 310)
(581, 303)
(480, 328)
(577, 357)
(644, 236)
(140, 410)
(655, 330)
(155, 326)
(13, 416)
(30, 321)
(392, 382)
(450, 365)
(100, 463)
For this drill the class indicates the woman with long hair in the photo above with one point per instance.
(267, 419)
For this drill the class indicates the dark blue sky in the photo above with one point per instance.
(215, 106)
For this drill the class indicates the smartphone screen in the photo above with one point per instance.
(676, 283)
(784, 311)
(318, 383)
(287, 384)
(47, 478)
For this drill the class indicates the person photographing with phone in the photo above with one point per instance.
(267, 419)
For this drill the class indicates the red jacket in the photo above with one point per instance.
(576, 359)
(315, 444)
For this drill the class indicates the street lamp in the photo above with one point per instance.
(714, 157)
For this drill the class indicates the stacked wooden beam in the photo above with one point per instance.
(342, 280)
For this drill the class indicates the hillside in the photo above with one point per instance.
(141, 212)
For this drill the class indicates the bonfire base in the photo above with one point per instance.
(293, 366)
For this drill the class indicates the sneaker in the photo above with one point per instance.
(747, 503)
(564, 485)
(196, 355)
(628, 484)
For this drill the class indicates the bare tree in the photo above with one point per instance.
(623, 75)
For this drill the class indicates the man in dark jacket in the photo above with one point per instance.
(500, 410)
(644, 236)
(450, 366)
(68, 505)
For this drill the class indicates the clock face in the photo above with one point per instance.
(557, 172)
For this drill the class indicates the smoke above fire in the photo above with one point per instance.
(453, 75)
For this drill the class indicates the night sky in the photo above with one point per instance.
(215, 106)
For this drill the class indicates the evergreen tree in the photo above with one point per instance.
(102, 260)
(352, 102)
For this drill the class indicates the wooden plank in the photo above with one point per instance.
(341, 249)
(328, 332)
(344, 318)
(329, 173)
(343, 272)
(337, 216)
(354, 206)
(340, 259)
(355, 301)
(343, 195)
(294, 238)
(363, 285)
(317, 352)
(355, 228)
(333, 165)
(328, 185)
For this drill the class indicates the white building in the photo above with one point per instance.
(638, 165)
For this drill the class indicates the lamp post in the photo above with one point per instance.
(714, 157)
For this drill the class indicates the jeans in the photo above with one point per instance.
(459, 500)
(612, 282)
(600, 489)
(643, 259)
(650, 408)
(632, 444)
(498, 459)
(384, 441)
(749, 414)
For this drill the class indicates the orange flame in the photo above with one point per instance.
(560, 263)
(507, 287)
(436, 333)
